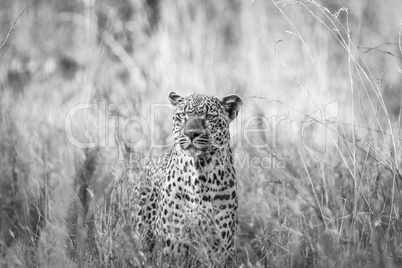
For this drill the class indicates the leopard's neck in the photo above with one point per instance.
(204, 162)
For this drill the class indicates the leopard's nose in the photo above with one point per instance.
(192, 133)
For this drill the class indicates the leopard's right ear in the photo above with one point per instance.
(174, 98)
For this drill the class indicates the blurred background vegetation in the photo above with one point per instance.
(334, 65)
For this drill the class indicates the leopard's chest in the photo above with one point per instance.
(195, 193)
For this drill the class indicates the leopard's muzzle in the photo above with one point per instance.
(194, 135)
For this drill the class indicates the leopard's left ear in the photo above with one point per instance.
(232, 105)
(174, 98)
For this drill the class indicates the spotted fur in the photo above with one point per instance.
(190, 195)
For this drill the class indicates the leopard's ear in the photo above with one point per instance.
(174, 98)
(232, 105)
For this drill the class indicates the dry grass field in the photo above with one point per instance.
(318, 151)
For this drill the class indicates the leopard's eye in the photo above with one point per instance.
(210, 116)
(181, 115)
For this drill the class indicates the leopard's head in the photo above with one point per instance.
(201, 122)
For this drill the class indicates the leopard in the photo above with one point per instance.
(189, 198)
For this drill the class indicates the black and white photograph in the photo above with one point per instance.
(192, 134)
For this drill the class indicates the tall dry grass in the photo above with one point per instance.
(320, 70)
